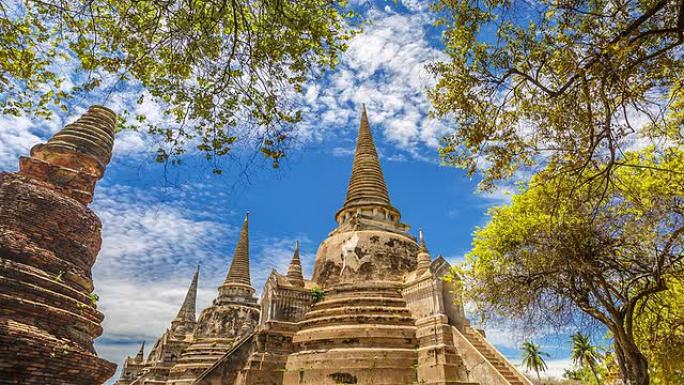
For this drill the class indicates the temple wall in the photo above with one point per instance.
(286, 304)
(424, 297)
(49, 241)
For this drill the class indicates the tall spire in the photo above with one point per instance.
(294, 272)
(421, 240)
(367, 184)
(423, 258)
(141, 353)
(187, 310)
(239, 269)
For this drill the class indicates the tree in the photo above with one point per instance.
(532, 358)
(562, 252)
(221, 70)
(569, 82)
(584, 354)
(659, 331)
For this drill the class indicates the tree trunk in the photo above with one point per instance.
(593, 371)
(633, 364)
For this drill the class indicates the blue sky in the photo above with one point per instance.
(159, 222)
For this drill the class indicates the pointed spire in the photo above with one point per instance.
(294, 272)
(239, 268)
(141, 353)
(421, 240)
(423, 259)
(187, 310)
(367, 184)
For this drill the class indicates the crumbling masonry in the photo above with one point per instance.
(49, 240)
(383, 316)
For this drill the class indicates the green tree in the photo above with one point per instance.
(533, 358)
(585, 354)
(221, 70)
(570, 82)
(562, 251)
(659, 331)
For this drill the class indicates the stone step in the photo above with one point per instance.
(360, 300)
(353, 310)
(354, 319)
(475, 338)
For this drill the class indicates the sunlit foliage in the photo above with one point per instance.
(569, 82)
(563, 250)
(220, 69)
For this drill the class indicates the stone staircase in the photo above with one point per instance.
(494, 358)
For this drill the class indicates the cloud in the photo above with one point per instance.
(499, 195)
(18, 135)
(342, 152)
(385, 68)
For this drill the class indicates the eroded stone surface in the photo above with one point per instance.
(49, 240)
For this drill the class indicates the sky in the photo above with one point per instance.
(159, 222)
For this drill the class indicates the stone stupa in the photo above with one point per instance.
(49, 240)
(375, 312)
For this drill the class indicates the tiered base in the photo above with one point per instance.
(359, 334)
(197, 358)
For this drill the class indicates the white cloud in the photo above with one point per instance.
(385, 68)
(342, 151)
(499, 195)
(18, 135)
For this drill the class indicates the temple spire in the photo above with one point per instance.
(294, 272)
(141, 353)
(239, 268)
(367, 184)
(423, 258)
(187, 310)
(421, 240)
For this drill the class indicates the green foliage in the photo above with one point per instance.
(93, 298)
(581, 375)
(222, 70)
(564, 250)
(660, 333)
(533, 358)
(317, 295)
(586, 356)
(570, 82)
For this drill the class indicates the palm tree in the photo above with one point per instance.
(584, 354)
(532, 358)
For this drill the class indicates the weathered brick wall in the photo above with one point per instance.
(49, 240)
(48, 318)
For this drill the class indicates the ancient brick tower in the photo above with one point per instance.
(233, 314)
(49, 240)
(168, 348)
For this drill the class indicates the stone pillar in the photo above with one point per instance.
(49, 240)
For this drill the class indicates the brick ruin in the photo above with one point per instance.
(375, 311)
(49, 240)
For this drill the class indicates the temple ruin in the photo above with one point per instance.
(375, 311)
(49, 240)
